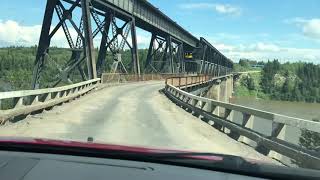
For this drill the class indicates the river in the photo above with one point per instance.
(302, 110)
(294, 109)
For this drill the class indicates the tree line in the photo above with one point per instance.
(298, 81)
(291, 81)
(17, 63)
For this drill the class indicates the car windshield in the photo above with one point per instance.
(238, 78)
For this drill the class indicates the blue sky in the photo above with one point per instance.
(288, 29)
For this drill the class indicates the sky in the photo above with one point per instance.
(288, 30)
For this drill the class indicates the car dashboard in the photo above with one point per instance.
(38, 166)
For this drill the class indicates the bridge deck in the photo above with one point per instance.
(135, 114)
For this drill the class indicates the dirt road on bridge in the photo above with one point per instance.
(132, 114)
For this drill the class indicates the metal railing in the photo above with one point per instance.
(17, 103)
(119, 77)
(243, 131)
(183, 82)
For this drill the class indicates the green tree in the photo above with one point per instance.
(250, 83)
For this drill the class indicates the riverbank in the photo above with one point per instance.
(249, 86)
(294, 82)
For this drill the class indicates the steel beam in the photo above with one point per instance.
(91, 62)
(169, 56)
(150, 52)
(104, 40)
(44, 43)
(135, 57)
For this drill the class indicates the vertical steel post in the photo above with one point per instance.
(164, 58)
(181, 58)
(135, 56)
(91, 63)
(44, 42)
(103, 48)
(169, 42)
(149, 56)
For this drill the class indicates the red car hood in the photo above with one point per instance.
(99, 146)
(67, 143)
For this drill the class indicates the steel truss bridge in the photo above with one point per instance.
(173, 54)
(115, 23)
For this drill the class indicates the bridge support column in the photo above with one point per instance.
(223, 94)
(91, 62)
(180, 57)
(44, 43)
(224, 90)
(215, 93)
(103, 45)
(229, 87)
(170, 54)
(135, 57)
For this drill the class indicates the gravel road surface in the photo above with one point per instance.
(132, 114)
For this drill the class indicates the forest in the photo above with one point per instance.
(16, 65)
(298, 81)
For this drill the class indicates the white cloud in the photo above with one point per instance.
(267, 47)
(13, 33)
(227, 9)
(196, 5)
(312, 28)
(224, 47)
(309, 27)
(220, 8)
(265, 51)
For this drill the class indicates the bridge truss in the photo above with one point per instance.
(113, 23)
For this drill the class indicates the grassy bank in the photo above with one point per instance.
(298, 82)
(249, 86)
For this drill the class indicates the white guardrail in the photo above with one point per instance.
(16, 103)
(210, 110)
(277, 118)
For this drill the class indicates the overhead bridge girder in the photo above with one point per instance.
(148, 18)
(115, 21)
